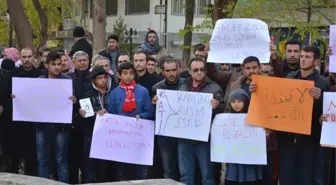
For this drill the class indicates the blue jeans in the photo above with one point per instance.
(122, 171)
(47, 137)
(168, 151)
(188, 153)
(297, 162)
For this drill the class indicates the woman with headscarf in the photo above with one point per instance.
(151, 44)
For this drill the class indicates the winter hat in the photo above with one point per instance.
(239, 94)
(7, 64)
(97, 70)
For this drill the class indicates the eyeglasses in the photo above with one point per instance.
(198, 69)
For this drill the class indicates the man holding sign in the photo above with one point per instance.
(298, 153)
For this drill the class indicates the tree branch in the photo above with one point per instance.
(325, 16)
(43, 23)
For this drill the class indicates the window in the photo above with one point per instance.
(177, 7)
(137, 7)
(111, 7)
(201, 6)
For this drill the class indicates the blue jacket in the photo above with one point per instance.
(144, 107)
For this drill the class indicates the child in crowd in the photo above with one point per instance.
(241, 174)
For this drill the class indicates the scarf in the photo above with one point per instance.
(151, 49)
(129, 103)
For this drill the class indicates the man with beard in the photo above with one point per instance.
(168, 145)
(94, 170)
(299, 153)
(292, 62)
(190, 151)
(51, 135)
(82, 84)
(142, 76)
(23, 133)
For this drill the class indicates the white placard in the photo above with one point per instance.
(233, 141)
(233, 40)
(42, 100)
(183, 114)
(328, 135)
(86, 105)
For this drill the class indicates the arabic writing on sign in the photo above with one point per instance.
(328, 134)
(281, 104)
(233, 40)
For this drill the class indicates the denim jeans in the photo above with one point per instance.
(188, 153)
(297, 162)
(47, 137)
(168, 151)
(94, 170)
(123, 169)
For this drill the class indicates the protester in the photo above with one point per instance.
(67, 66)
(94, 170)
(7, 64)
(105, 64)
(151, 65)
(123, 58)
(151, 45)
(22, 133)
(82, 84)
(112, 52)
(199, 52)
(241, 174)
(299, 153)
(168, 145)
(142, 76)
(132, 100)
(81, 43)
(50, 134)
(94, 59)
(189, 151)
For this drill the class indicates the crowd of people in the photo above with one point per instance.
(117, 85)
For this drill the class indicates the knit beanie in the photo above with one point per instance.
(239, 94)
(7, 64)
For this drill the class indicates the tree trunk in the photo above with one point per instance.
(187, 39)
(223, 9)
(21, 23)
(43, 23)
(99, 25)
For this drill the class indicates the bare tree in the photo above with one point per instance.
(43, 23)
(223, 9)
(99, 25)
(187, 39)
(21, 23)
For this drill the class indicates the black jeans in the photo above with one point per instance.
(75, 152)
(298, 162)
(94, 170)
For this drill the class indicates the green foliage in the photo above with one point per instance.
(278, 13)
(120, 28)
(49, 6)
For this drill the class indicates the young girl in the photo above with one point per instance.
(241, 174)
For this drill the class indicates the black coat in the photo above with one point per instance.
(82, 45)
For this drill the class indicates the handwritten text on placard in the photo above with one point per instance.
(233, 141)
(328, 135)
(281, 104)
(235, 39)
(183, 114)
(123, 139)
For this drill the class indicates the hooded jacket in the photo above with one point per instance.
(98, 100)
